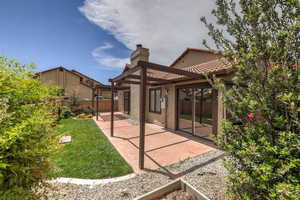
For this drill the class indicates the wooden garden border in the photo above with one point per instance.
(172, 187)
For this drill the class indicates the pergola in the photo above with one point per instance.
(131, 77)
(96, 93)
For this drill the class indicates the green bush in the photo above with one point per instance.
(65, 112)
(261, 44)
(26, 122)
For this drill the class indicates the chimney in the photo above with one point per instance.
(140, 54)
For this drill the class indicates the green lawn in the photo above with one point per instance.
(190, 117)
(89, 155)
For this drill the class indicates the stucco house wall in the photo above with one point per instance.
(135, 102)
(121, 101)
(50, 78)
(71, 82)
(73, 87)
(192, 57)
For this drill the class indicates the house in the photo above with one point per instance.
(178, 97)
(73, 83)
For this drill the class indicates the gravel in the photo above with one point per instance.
(205, 172)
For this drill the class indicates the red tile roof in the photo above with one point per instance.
(214, 66)
(210, 66)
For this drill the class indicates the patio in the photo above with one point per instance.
(162, 147)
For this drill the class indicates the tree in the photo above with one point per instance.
(26, 137)
(260, 40)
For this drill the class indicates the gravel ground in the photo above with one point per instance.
(205, 172)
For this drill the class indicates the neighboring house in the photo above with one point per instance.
(73, 83)
(189, 105)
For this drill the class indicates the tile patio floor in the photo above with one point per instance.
(162, 147)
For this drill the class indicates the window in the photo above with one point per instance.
(154, 100)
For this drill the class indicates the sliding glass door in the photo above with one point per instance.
(194, 110)
(185, 110)
(203, 112)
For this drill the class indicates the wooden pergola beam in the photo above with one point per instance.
(135, 82)
(166, 69)
(125, 74)
(185, 79)
(178, 80)
(155, 67)
(130, 82)
(133, 76)
(108, 88)
(122, 88)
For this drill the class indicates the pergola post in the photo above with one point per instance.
(97, 105)
(143, 72)
(201, 107)
(112, 110)
(93, 98)
(193, 111)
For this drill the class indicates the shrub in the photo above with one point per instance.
(65, 112)
(73, 100)
(26, 137)
(262, 46)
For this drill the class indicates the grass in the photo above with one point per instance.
(89, 155)
(190, 117)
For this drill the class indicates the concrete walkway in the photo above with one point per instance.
(162, 147)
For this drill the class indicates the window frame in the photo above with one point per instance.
(155, 100)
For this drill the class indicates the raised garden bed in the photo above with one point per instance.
(176, 190)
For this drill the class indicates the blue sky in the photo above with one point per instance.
(55, 33)
(96, 37)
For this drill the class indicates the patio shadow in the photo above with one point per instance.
(163, 147)
(165, 171)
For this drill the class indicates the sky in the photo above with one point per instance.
(96, 37)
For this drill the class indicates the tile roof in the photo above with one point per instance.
(214, 66)
(208, 67)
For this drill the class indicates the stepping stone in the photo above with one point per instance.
(65, 139)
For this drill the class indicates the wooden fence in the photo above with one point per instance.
(186, 108)
(103, 105)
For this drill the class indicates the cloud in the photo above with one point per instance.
(105, 59)
(167, 27)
